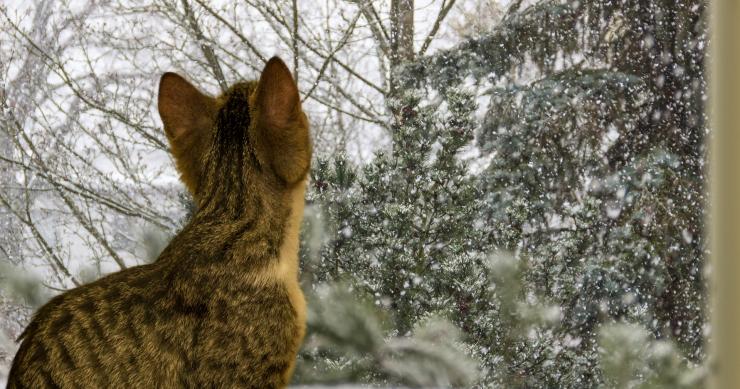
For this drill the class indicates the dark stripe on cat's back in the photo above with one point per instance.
(66, 358)
(60, 323)
(232, 123)
(133, 334)
(91, 338)
(49, 380)
(96, 364)
(87, 349)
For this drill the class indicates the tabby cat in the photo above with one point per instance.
(221, 307)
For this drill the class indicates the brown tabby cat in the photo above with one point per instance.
(221, 307)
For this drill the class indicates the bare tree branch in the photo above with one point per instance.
(330, 57)
(233, 29)
(295, 40)
(271, 13)
(26, 219)
(444, 10)
(375, 25)
(205, 47)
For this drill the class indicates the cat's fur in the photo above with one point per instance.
(222, 306)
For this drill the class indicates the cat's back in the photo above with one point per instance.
(109, 333)
(159, 326)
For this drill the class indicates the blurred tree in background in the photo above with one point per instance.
(566, 133)
(594, 128)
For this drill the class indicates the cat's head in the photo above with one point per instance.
(252, 137)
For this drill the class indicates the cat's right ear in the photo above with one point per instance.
(188, 116)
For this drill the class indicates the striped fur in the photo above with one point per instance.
(221, 307)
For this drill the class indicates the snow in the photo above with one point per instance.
(537, 186)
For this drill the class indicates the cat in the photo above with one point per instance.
(222, 306)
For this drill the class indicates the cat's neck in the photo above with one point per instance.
(266, 232)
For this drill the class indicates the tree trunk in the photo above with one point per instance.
(402, 38)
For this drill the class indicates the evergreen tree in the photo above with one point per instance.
(404, 223)
(405, 228)
(594, 131)
(595, 128)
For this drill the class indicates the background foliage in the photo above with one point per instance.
(506, 195)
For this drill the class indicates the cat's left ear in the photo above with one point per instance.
(182, 107)
(187, 115)
(282, 129)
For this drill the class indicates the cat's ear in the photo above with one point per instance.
(182, 107)
(187, 115)
(282, 127)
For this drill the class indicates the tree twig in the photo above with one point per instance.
(444, 10)
(207, 50)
